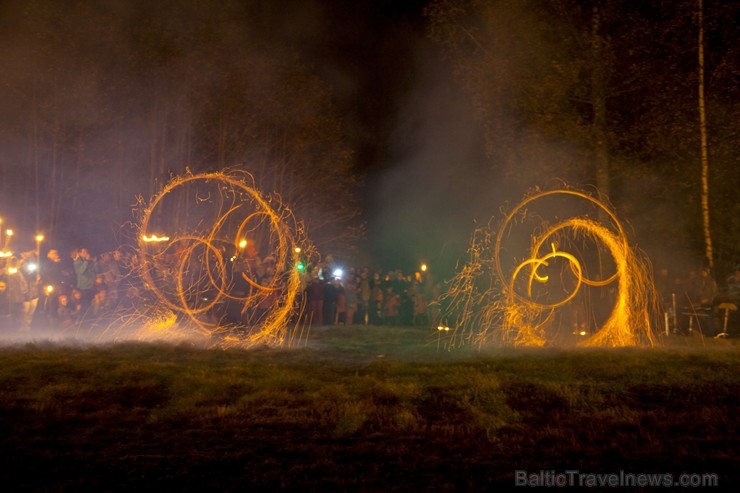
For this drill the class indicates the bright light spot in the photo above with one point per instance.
(4, 253)
(31, 267)
(423, 267)
(12, 270)
(9, 232)
(49, 289)
(39, 238)
(297, 249)
(338, 273)
(243, 244)
(155, 238)
(164, 322)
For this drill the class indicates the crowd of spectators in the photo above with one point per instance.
(692, 301)
(336, 295)
(66, 291)
(58, 292)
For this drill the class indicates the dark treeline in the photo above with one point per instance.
(103, 102)
(605, 93)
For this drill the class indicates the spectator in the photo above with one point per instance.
(86, 270)
(315, 299)
(341, 302)
(110, 267)
(351, 300)
(77, 305)
(364, 297)
(65, 313)
(733, 286)
(331, 295)
(376, 301)
(16, 292)
(100, 295)
(391, 303)
(55, 277)
(29, 269)
(703, 289)
(706, 289)
(420, 308)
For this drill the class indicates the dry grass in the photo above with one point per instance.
(360, 409)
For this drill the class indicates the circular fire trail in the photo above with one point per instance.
(220, 258)
(558, 270)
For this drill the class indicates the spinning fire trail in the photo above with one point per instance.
(220, 256)
(580, 281)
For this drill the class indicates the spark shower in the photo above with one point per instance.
(219, 258)
(558, 270)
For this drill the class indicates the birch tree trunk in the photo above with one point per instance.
(704, 150)
(598, 101)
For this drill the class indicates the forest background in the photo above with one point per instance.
(390, 129)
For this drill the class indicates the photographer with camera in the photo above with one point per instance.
(86, 270)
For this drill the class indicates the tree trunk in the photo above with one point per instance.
(598, 101)
(704, 150)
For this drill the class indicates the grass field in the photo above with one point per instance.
(361, 409)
